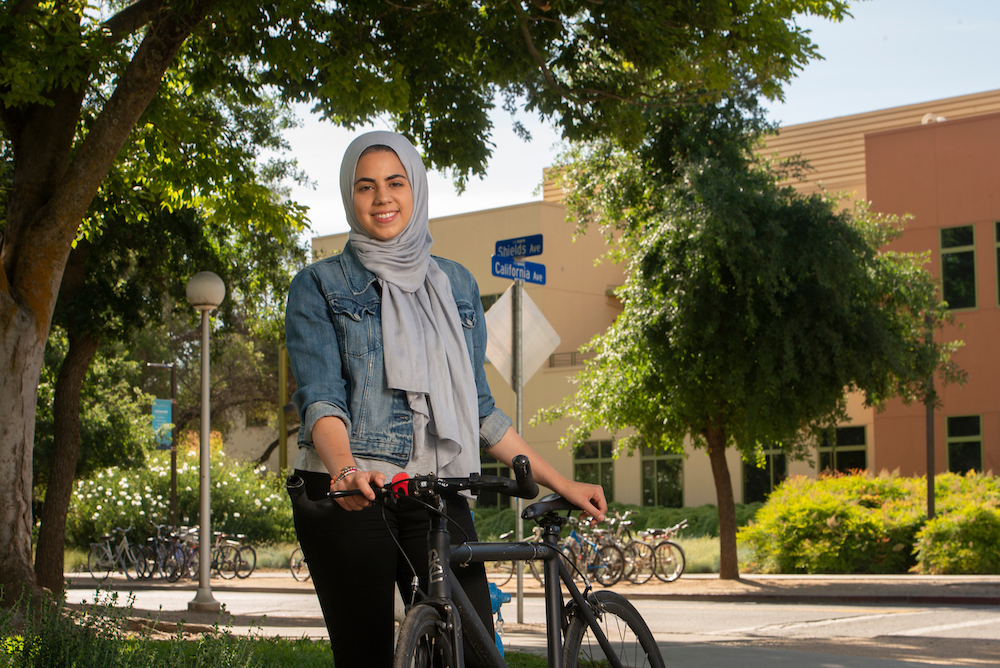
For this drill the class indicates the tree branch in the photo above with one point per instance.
(130, 19)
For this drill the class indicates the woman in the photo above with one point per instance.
(387, 345)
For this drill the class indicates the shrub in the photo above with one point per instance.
(244, 499)
(861, 523)
(836, 524)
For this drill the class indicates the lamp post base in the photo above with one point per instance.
(204, 602)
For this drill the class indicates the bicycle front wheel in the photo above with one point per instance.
(99, 562)
(229, 562)
(629, 637)
(669, 561)
(424, 641)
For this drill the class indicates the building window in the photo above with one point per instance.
(662, 479)
(845, 452)
(758, 483)
(594, 462)
(965, 444)
(491, 466)
(958, 266)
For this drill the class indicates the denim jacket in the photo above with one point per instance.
(333, 332)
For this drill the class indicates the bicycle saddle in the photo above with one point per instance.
(547, 504)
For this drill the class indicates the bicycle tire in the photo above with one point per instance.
(608, 564)
(133, 570)
(298, 565)
(229, 562)
(670, 560)
(640, 561)
(424, 641)
(192, 564)
(248, 560)
(625, 629)
(145, 562)
(172, 566)
(99, 562)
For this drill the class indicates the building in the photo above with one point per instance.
(939, 161)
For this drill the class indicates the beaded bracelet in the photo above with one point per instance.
(344, 472)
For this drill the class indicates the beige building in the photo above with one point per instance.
(576, 300)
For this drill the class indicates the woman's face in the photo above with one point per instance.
(383, 198)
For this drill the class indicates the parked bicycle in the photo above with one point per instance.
(640, 557)
(670, 560)
(587, 629)
(161, 555)
(593, 556)
(106, 557)
(231, 557)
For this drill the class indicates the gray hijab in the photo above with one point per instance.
(423, 341)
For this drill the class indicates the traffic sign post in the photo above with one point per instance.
(507, 262)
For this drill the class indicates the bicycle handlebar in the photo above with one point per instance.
(523, 486)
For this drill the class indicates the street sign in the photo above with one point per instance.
(520, 247)
(506, 267)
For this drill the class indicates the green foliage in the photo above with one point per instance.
(964, 536)
(97, 635)
(115, 428)
(717, 254)
(862, 523)
(244, 499)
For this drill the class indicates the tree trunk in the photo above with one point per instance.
(21, 364)
(728, 562)
(49, 555)
(48, 198)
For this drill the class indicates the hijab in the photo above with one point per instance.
(423, 341)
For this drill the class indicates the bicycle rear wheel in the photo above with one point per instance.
(669, 561)
(424, 641)
(630, 638)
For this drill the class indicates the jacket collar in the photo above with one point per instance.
(358, 277)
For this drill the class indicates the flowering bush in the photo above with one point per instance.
(245, 500)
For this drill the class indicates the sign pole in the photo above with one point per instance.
(518, 388)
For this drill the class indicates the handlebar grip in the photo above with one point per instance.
(296, 488)
(527, 488)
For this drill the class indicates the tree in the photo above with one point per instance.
(748, 308)
(75, 82)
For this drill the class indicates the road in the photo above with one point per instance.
(700, 633)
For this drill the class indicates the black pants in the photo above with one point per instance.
(354, 563)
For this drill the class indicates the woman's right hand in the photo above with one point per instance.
(361, 480)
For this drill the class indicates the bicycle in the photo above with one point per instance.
(670, 560)
(105, 558)
(640, 557)
(298, 566)
(588, 628)
(161, 555)
(604, 561)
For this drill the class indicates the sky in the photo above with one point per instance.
(891, 53)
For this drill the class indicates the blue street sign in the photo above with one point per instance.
(163, 410)
(520, 247)
(506, 267)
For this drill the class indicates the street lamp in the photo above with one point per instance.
(205, 291)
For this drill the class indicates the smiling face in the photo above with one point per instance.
(383, 198)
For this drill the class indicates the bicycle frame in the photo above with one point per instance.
(442, 589)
